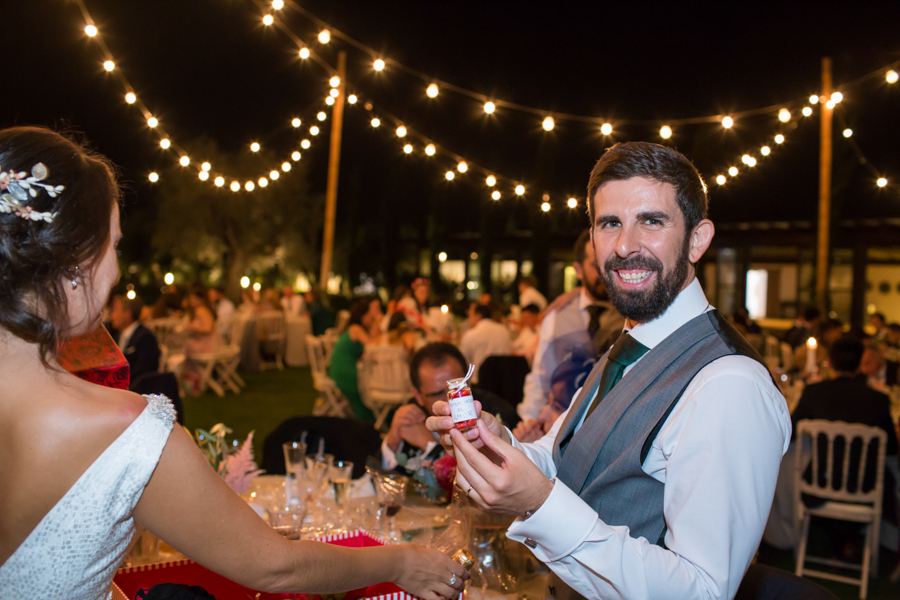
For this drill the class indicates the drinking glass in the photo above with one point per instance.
(391, 491)
(294, 457)
(340, 474)
(287, 520)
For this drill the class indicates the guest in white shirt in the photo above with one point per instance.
(293, 304)
(526, 341)
(528, 294)
(701, 461)
(223, 306)
(484, 338)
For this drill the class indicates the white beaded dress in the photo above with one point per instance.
(76, 548)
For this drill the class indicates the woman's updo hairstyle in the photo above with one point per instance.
(38, 259)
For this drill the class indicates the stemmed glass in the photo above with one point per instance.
(294, 464)
(340, 475)
(391, 491)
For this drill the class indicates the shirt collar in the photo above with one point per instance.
(689, 303)
(128, 331)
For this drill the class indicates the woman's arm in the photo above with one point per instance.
(359, 334)
(203, 321)
(193, 510)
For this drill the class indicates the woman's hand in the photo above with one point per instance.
(427, 573)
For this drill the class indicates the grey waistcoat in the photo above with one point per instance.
(602, 461)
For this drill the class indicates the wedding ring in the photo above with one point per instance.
(469, 491)
(453, 579)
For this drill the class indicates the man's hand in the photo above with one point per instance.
(442, 423)
(529, 431)
(513, 487)
(409, 426)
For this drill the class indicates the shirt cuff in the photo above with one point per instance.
(562, 523)
(388, 459)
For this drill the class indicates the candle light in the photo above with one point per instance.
(811, 363)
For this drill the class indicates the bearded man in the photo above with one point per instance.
(658, 480)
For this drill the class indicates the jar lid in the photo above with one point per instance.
(455, 384)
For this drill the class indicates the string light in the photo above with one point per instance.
(203, 175)
(891, 76)
(848, 132)
(90, 30)
(314, 130)
(462, 167)
(733, 171)
(324, 36)
(154, 177)
(814, 99)
(408, 148)
(606, 129)
(432, 90)
(277, 4)
(305, 144)
(295, 156)
(235, 186)
(765, 150)
(489, 108)
(545, 207)
(329, 101)
(491, 181)
(321, 115)
(721, 179)
(572, 202)
(220, 181)
(130, 98)
(152, 122)
(807, 111)
(401, 131)
(727, 122)
(548, 124)
(351, 99)
(378, 65)
(109, 65)
(837, 97)
(185, 161)
(274, 175)
(495, 195)
(881, 182)
(829, 104)
(449, 175)
(784, 115)
(335, 81)
(665, 132)
(268, 20)
(263, 182)
(296, 122)
(334, 93)
(520, 189)
(304, 53)
(430, 149)
(206, 166)
(376, 122)
(442, 256)
(285, 166)
(254, 147)
(779, 139)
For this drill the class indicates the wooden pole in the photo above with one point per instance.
(822, 254)
(334, 163)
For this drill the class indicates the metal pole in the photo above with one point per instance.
(822, 253)
(334, 163)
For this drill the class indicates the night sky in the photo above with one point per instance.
(209, 68)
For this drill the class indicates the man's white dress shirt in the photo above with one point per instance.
(486, 338)
(718, 454)
(532, 296)
(125, 335)
(295, 305)
(558, 326)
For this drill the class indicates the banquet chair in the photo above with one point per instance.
(329, 339)
(504, 376)
(315, 349)
(383, 380)
(168, 331)
(846, 498)
(331, 401)
(345, 438)
(762, 582)
(271, 330)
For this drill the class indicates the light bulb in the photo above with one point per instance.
(235, 186)
(295, 156)
(378, 65)
(268, 20)
(751, 162)
(430, 150)
(334, 93)
(572, 202)
(185, 161)
(432, 90)
(442, 256)
(169, 278)
(837, 97)
(814, 99)
(304, 53)
(154, 177)
(401, 131)
(491, 181)
(408, 148)
(263, 182)
(891, 77)
(90, 30)
(335, 81)
(520, 189)
(784, 115)
(495, 195)
(807, 111)
(721, 179)
(296, 122)
(314, 130)
(462, 167)
(152, 122)
(245, 282)
(351, 99)
(727, 122)
(131, 295)
(606, 129)
(830, 104)
(881, 182)
(733, 171)
(305, 144)
(203, 175)
(545, 207)
(329, 100)
(489, 108)
(220, 181)
(257, 286)
(164, 143)
(779, 139)
(285, 166)
(548, 124)
(445, 309)
(130, 98)
(324, 36)
(765, 150)
(274, 174)
(321, 115)
(848, 132)
(277, 4)
(109, 65)
(665, 132)
(254, 147)
(745, 159)
(449, 175)
(376, 122)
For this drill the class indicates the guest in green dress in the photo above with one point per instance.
(365, 317)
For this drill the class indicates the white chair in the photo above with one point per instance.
(271, 330)
(315, 349)
(228, 359)
(329, 339)
(169, 331)
(331, 401)
(384, 383)
(857, 506)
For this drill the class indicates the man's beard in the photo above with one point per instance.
(646, 305)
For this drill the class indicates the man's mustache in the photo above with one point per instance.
(616, 263)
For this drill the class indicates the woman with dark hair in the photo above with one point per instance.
(202, 335)
(364, 329)
(82, 465)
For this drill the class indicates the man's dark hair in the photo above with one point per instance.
(846, 354)
(830, 324)
(580, 245)
(529, 279)
(895, 327)
(879, 315)
(532, 308)
(811, 314)
(659, 163)
(435, 353)
(484, 310)
(133, 306)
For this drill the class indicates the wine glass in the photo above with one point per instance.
(287, 520)
(391, 491)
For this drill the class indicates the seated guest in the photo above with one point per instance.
(270, 301)
(890, 349)
(365, 317)
(415, 306)
(879, 325)
(136, 342)
(526, 342)
(293, 304)
(401, 334)
(202, 335)
(803, 328)
(484, 338)
(528, 294)
(168, 305)
(873, 367)
(319, 315)
(429, 371)
(831, 330)
(221, 304)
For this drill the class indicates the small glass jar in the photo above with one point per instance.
(462, 404)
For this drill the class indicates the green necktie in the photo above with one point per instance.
(626, 351)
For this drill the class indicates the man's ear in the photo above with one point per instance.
(701, 238)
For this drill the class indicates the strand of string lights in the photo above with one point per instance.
(462, 166)
(204, 169)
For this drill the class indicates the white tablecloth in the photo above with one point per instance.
(295, 343)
